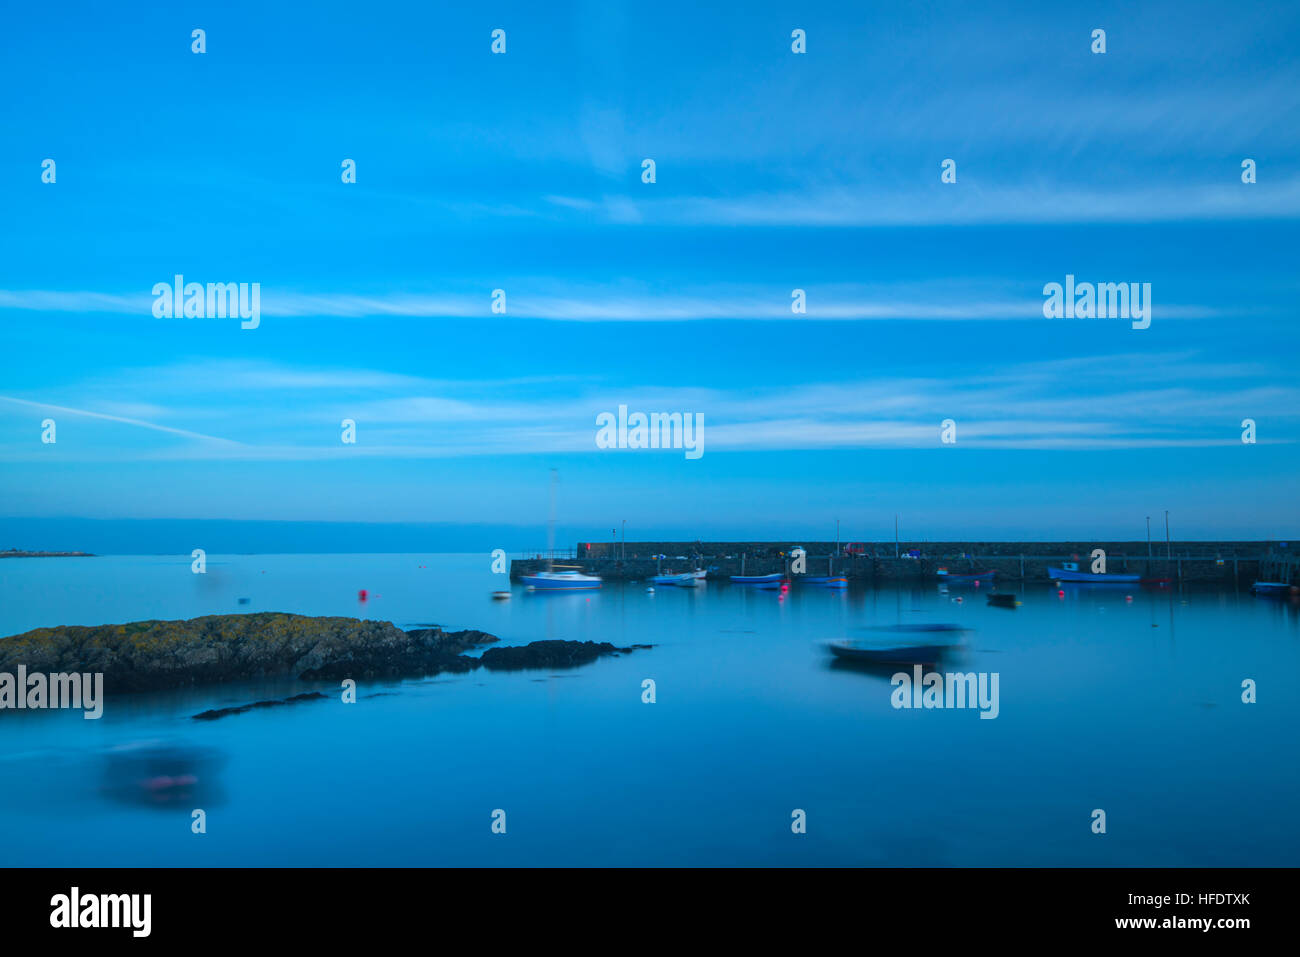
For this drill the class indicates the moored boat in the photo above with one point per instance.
(1074, 575)
(774, 578)
(685, 580)
(827, 581)
(561, 581)
(918, 627)
(915, 654)
(958, 577)
(1271, 588)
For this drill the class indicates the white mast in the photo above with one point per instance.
(550, 526)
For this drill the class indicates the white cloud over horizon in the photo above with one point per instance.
(1101, 402)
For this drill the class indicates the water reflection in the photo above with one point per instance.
(161, 774)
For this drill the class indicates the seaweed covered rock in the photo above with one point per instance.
(148, 655)
(548, 654)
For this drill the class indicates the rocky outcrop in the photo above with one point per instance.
(549, 654)
(152, 655)
(149, 655)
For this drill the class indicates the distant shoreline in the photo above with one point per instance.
(23, 553)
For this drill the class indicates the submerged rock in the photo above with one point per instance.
(215, 713)
(548, 654)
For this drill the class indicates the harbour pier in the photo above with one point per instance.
(1210, 563)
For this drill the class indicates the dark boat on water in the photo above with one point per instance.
(1272, 589)
(919, 628)
(1004, 600)
(927, 646)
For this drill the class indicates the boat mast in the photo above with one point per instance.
(550, 527)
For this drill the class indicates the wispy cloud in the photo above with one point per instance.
(545, 299)
(977, 201)
(1099, 402)
(46, 407)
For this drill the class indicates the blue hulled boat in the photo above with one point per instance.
(1074, 575)
(1271, 589)
(954, 578)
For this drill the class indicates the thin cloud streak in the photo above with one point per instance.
(1027, 406)
(124, 420)
(967, 204)
(768, 305)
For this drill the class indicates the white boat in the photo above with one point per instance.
(561, 581)
(551, 580)
(685, 580)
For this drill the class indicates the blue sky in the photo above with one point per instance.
(775, 171)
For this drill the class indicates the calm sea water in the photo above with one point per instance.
(1133, 707)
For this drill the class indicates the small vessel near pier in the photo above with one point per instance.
(684, 580)
(571, 579)
(561, 581)
(1068, 574)
(1273, 589)
(958, 578)
(774, 578)
(826, 581)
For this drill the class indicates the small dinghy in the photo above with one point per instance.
(918, 628)
(957, 578)
(826, 581)
(686, 580)
(1271, 589)
(775, 578)
(887, 654)
(1076, 576)
(927, 644)
(1004, 600)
